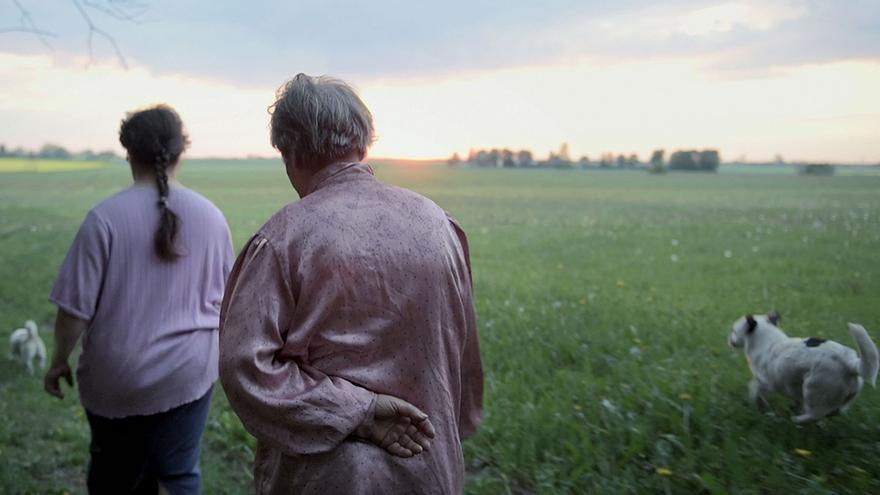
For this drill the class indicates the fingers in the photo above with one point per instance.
(399, 450)
(405, 440)
(408, 441)
(52, 380)
(420, 439)
(52, 385)
(404, 408)
(426, 427)
(399, 427)
(419, 418)
(393, 432)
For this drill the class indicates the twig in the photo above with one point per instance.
(96, 30)
(123, 11)
(29, 26)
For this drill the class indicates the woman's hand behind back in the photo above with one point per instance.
(398, 427)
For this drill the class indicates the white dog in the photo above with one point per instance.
(25, 344)
(822, 376)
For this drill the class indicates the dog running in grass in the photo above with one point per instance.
(25, 344)
(821, 376)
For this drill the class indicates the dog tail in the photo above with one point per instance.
(868, 356)
(31, 328)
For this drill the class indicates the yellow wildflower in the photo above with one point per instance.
(662, 471)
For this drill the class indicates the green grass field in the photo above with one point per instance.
(604, 301)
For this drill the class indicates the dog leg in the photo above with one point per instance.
(756, 395)
(821, 398)
(15, 351)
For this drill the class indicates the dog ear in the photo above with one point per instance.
(752, 324)
(774, 317)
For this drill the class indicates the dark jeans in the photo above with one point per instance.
(132, 455)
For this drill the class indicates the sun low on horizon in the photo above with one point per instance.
(722, 75)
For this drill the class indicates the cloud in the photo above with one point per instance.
(41, 101)
(265, 43)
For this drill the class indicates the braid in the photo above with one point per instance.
(155, 139)
(169, 223)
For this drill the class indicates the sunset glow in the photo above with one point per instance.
(640, 79)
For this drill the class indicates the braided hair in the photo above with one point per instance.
(154, 137)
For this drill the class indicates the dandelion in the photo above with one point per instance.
(684, 396)
(662, 471)
(621, 284)
(674, 258)
(728, 253)
(803, 452)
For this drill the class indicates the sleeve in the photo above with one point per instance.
(220, 269)
(471, 406)
(228, 254)
(81, 277)
(280, 399)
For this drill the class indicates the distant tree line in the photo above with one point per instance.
(817, 169)
(690, 160)
(506, 158)
(696, 161)
(55, 152)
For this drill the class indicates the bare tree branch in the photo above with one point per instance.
(124, 10)
(27, 25)
(93, 30)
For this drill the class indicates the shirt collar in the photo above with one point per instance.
(333, 172)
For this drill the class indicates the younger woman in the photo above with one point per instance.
(142, 284)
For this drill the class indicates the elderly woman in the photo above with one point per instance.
(348, 343)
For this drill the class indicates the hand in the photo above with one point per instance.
(398, 427)
(52, 381)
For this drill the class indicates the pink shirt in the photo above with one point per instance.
(151, 344)
(357, 288)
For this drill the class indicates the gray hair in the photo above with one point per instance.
(319, 120)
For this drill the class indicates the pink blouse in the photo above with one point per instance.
(359, 288)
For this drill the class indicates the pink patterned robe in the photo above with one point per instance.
(358, 288)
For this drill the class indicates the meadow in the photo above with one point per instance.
(604, 300)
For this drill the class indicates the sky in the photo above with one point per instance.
(754, 79)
